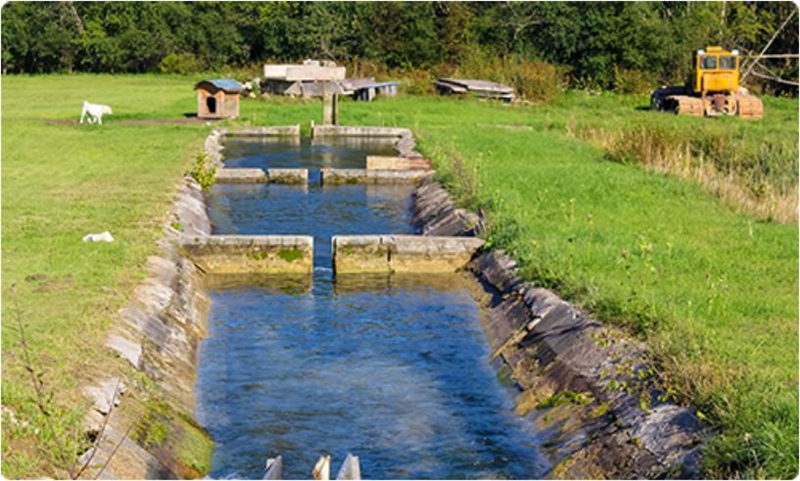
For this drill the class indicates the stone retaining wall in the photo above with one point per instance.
(401, 253)
(158, 333)
(591, 392)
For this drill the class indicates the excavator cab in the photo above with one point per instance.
(715, 70)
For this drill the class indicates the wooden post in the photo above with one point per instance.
(327, 105)
(335, 107)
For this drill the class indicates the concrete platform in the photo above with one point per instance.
(263, 254)
(402, 253)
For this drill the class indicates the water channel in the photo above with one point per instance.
(393, 370)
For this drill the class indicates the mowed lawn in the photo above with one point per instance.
(714, 293)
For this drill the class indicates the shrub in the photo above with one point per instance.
(203, 171)
(179, 63)
(632, 81)
(535, 80)
(532, 80)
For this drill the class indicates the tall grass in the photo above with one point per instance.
(757, 183)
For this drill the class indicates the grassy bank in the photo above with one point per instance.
(713, 290)
(62, 181)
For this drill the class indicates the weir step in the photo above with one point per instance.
(237, 254)
(402, 253)
(260, 176)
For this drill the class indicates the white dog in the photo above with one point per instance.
(94, 112)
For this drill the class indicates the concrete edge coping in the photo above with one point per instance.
(267, 131)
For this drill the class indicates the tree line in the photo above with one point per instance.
(591, 43)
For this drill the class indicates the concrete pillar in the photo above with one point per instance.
(330, 108)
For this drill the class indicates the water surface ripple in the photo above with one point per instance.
(391, 369)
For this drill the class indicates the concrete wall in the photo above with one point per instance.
(264, 254)
(240, 176)
(271, 131)
(287, 176)
(375, 162)
(402, 254)
(259, 176)
(352, 131)
(364, 176)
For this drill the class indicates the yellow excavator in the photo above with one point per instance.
(712, 90)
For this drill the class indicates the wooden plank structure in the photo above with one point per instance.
(314, 79)
(481, 88)
(369, 91)
(218, 98)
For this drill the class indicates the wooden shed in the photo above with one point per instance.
(218, 99)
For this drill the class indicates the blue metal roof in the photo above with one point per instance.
(225, 84)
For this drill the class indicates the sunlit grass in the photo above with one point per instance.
(713, 291)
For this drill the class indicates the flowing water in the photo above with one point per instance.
(390, 368)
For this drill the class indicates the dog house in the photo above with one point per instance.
(218, 99)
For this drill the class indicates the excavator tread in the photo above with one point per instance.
(750, 107)
(686, 105)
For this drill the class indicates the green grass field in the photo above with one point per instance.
(712, 290)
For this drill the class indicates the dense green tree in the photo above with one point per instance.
(595, 42)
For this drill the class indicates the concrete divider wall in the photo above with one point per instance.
(259, 176)
(363, 176)
(287, 176)
(271, 131)
(401, 253)
(240, 176)
(375, 162)
(354, 131)
(265, 254)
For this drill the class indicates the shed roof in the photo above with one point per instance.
(226, 85)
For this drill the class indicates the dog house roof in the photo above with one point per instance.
(226, 85)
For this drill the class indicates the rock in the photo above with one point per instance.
(127, 349)
(107, 392)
